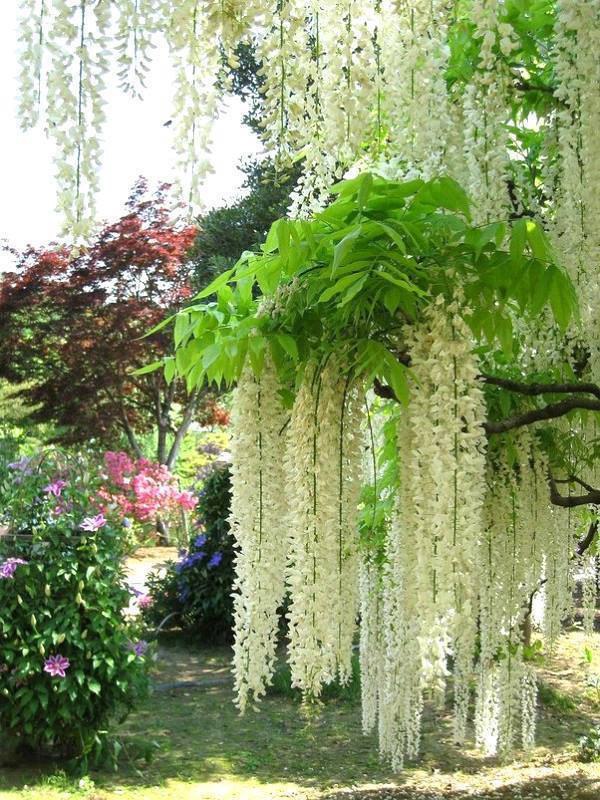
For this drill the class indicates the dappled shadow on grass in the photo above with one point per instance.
(202, 739)
(580, 787)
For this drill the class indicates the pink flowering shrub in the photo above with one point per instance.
(142, 489)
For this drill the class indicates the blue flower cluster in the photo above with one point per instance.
(189, 559)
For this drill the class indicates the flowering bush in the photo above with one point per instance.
(68, 660)
(142, 489)
(197, 589)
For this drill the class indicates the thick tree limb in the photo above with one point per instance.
(551, 411)
(586, 542)
(572, 501)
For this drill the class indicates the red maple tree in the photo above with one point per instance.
(72, 328)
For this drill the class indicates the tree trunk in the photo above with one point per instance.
(162, 531)
(188, 418)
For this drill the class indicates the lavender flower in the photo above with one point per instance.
(57, 666)
(22, 465)
(55, 488)
(94, 523)
(139, 648)
(215, 560)
(9, 567)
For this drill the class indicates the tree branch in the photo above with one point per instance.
(551, 411)
(188, 418)
(573, 500)
(586, 542)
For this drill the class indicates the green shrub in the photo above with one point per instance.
(589, 745)
(69, 662)
(196, 591)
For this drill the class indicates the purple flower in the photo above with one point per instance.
(94, 523)
(144, 601)
(139, 648)
(9, 567)
(57, 666)
(55, 488)
(126, 523)
(200, 541)
(215, 560)
(22, 465)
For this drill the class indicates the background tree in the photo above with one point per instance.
(73, 327)
(226, 232)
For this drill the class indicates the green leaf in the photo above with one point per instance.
(339, 286)
(518, 240)
(170, 369)
(539, 244)
(344, 247)
(364, 189)
(560, 297)
(504, 332)
(148, 368)
(215, 285)
(395, 375)
(256, 353)
(288, 343)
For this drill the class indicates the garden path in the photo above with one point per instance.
(144, 561)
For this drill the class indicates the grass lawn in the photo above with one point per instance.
(206, 751)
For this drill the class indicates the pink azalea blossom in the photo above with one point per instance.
(55, 488)
(142, 489)
(57, 666)
(94, 523)
(144, 601)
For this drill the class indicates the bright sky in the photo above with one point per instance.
(135, 143)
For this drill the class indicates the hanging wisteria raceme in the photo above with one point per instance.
(32, 32)
(79, 61)
(258, 523)
(136, 27)
(511, 569)
(485, 109)
(577, 210)
(344, 82)
(414, 50)
(430, 577)
(527, 571)
(324, 464)
(371, 642)
(588, 568)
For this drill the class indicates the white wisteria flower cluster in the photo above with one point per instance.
(473, 558)
(526, 579)
(344, 81)
(257, 519)
(575, 217)
(294, 515)
(429, 586)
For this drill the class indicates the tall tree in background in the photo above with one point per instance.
(73, 327)
(224, 233)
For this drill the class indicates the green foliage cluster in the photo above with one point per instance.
(195, 593)
(351, 277)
